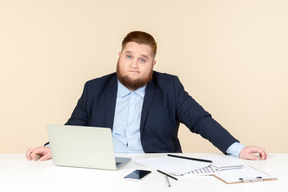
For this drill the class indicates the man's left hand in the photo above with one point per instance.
(252, 152)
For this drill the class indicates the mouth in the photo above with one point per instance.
(134, 72)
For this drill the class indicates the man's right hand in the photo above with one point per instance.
(41, 153)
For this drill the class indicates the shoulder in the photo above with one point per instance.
(165, 79)
(102, 81)
(101, 85)
(157, 76)
(167, 83)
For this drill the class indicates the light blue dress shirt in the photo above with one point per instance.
(235, 149)
(126, 127)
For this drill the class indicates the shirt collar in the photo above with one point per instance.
(124, 91)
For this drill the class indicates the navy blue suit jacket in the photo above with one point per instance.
(166, 105)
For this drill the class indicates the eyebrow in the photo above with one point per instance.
(140, 54)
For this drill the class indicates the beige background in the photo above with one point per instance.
(230, 55)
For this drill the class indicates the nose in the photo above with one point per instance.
(134, 64)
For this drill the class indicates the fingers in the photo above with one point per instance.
(47, 156)
(35, 154)
(261, 151)
(251, 157)
(28, 153)
(250, 151)
(41, 153)
(263, 154)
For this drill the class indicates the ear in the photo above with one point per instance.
(119, 53)
(154, 62)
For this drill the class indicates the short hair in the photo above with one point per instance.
(140, 37)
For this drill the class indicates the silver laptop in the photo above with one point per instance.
(82, 146)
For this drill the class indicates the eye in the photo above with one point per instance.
(142, 60)
(128, 56)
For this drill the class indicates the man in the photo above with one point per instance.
(144, 108)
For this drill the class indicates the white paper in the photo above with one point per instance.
(210, 170)
(172, 165)
(226, 161)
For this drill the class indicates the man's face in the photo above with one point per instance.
(135, 65)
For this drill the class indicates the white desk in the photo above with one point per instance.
(19, 174)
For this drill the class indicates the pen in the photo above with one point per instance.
(167, 175)
(169, 185)
(190, 158)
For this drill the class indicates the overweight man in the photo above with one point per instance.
(144, 108)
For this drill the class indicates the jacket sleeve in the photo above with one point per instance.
(199, 121)
(80, 113)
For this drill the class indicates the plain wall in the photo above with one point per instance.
(230, 55)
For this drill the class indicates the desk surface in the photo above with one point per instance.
(19, 174)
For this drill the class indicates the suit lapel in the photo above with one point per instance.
(148, 99)
(111, 102)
